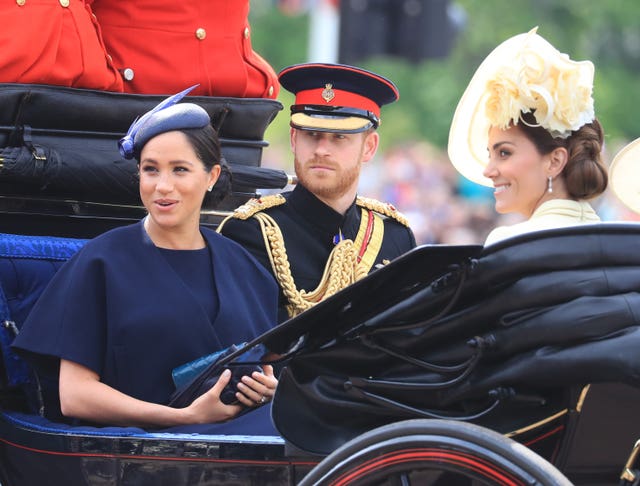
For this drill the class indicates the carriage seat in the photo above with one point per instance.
(27, 264)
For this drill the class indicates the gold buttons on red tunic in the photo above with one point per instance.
(270, 90)
(21, 2)
(201, 33)
(64, 3)
(246, 32)
(128, 74)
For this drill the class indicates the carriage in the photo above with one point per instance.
(511, 364)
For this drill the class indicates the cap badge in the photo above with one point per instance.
(327, 93)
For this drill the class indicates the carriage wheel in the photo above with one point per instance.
(433, 452)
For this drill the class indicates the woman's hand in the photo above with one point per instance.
(84, 396)
(208, 408)
(257, 389)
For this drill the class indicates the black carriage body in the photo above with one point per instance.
(37, 452)
(535, 338)
(34, 452)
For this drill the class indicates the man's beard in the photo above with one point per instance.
(332, 187)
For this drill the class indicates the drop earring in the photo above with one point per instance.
(210, 188)
(550, 185)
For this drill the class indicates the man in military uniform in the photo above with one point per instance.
(322, 236)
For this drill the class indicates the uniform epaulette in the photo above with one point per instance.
(380, 207)
(253, 206)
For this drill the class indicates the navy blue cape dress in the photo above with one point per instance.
(120, 309)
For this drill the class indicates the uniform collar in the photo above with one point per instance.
(322, 216)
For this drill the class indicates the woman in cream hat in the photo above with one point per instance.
(624, 175)
(526, 126)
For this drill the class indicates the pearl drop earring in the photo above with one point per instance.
(550, 185)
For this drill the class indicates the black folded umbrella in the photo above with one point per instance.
(99, 174)
(61, 143)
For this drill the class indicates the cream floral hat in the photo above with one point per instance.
(623, 175)
(523, 74)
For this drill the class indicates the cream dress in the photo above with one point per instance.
(556, 213)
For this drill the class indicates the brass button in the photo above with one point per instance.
(109, 58)
(246, 32)
(201, 33)
(270, 90)
(64, 3)
(21, 2)
(128, 74)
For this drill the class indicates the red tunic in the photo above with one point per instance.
(54, 42)
(169, 46)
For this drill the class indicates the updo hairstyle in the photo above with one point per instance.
(585, 174)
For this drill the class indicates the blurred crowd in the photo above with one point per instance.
(442, 206)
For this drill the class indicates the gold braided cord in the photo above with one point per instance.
(342, 268)
(222, 223)
(372, 247)
(382, 208)
(253, 206)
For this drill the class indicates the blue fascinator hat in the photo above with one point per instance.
(165, 117)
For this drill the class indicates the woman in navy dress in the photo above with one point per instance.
(140, 300)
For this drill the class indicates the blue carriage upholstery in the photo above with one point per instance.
(27, 263)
